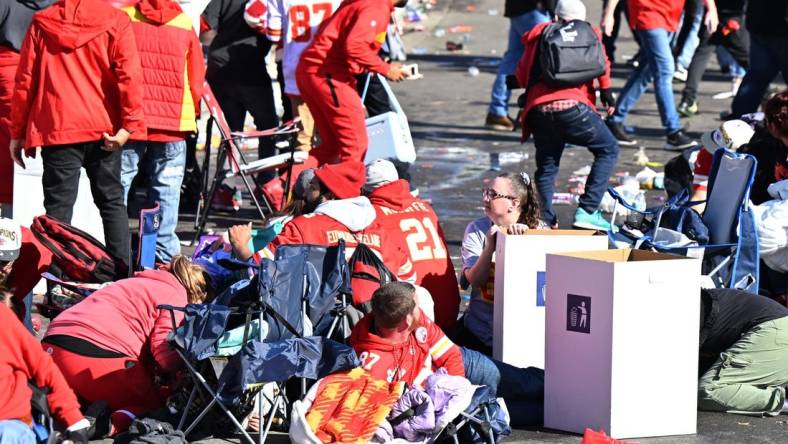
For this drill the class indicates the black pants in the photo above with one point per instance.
(258, 99)
(62, 165)
(737, 43)
(376, 101)
(610, 41)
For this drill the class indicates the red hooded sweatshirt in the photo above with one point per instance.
(541, 92)
(426, 350)
(416, 222)
(79, 76)
(348, 43)
(26, 270)
(173, 68)
(21, 360)
(124, 318)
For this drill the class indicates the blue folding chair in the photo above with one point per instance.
(729, 241)
(150, 220)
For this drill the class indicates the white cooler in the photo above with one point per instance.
(622, 343)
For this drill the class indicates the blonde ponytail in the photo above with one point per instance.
(193, 278)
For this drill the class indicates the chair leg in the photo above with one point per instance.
(254, 198)
(182, 421)
(217, 181)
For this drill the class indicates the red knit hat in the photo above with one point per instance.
(343, 179)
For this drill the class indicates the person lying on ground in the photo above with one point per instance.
(337, 211)
(396, 342)
(113, 347)
(22, 361)
(511, 206)
(743, 353)
(415, 222)
(22, 260)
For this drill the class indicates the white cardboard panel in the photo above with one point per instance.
(519, 313)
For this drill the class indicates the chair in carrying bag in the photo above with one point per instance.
(731, 257)
(388, 133)
(238, 166)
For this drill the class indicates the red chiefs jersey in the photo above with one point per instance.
(348, 43)
(426, 350)
(416, 223)
(321, 229)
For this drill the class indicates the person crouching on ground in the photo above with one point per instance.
(510, 206)
(23, 361)
(113, 345)
(559, 115)
(743, 353)
(397, 342)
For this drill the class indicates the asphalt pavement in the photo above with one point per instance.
(456, 155)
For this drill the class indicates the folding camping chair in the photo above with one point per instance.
(237, 164)
(730, 258)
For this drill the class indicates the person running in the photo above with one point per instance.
(558, 115)
(347, 46)
(654, 23)
(79, 96)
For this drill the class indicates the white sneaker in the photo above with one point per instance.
(680, 74)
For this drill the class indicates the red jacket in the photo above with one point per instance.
(124, 318)
(26, 270)
(79, 76)
(541, 92)
(173, 68)
(349, 41)
(21, 360)
(416, 223)
(652, 14)
(426, 350)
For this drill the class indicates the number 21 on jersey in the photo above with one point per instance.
(424, 243)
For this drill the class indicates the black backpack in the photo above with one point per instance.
(570, 54)
(367, 273)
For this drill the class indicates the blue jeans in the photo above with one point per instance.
(164, 163)
(16, 432)
(724, 58)
(768, 56)
(579, 125)
(521, 388)
(693, 39)
(656, 63)
(518, 26)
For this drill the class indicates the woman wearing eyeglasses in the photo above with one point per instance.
(511, 205)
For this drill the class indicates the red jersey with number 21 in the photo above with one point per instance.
(417, 223)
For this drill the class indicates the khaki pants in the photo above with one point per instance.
(306, 135)
(749, 377)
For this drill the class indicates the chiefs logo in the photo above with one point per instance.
(421, 334)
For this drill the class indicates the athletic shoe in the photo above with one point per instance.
(592, 221)
(498, 123)
(618, 132)
(678, 141)
(687, 109)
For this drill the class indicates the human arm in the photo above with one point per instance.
(605, 91)
(125, 60)
(195, 68)
(363, 41)
(444, 353)
(608, 17)
(275, 20)
(711, 19)
(166, 358)
(25, 85)
(477, 253)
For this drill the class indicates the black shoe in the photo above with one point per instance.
(618, 132)
(679, 141)
(98, 415)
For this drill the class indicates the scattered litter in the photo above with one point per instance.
(655, 164)
(743, 423)
(418, 28)
(453, 46)
(513, 157)
(439, 32)
(460, 29)
(782, 422)
(470, 8)
(473, 71)
(640, 157)
(565, 199)
(492, 12)
(466, 38)
(585, 171)
(419, 51)
(650, 179)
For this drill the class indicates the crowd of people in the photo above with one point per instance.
(115, 87)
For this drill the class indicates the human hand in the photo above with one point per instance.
(240, 235)
(711, 20)
(607, 99)
(396, 73)
(517, 229)
(15, 148)
(116, 142)
(607, 23)
(80, 435)
(492, 236)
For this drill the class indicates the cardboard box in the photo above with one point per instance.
(622, 343)
(519, 306)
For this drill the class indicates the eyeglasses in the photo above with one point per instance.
(490, 194)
